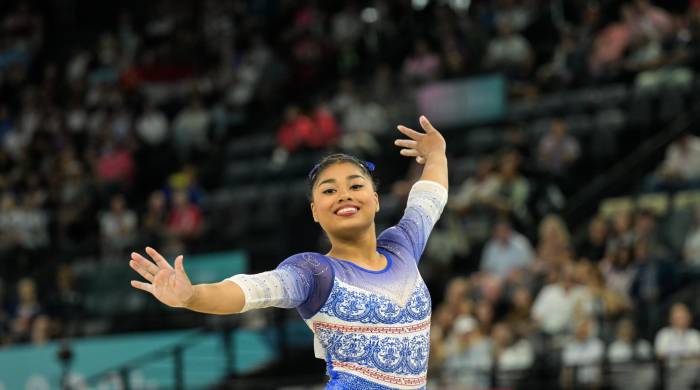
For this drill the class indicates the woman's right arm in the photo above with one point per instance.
(171, 286)
(288, 286)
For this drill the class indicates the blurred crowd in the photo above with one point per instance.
(112, 136)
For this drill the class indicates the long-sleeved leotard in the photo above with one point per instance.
(371, 327)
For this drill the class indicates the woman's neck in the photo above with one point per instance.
(362, 248)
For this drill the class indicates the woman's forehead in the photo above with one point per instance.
(340, 171)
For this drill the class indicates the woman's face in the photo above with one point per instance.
(344, 201)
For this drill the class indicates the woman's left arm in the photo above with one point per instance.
(429, 150)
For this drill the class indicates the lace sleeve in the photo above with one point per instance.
(423, 208)
(302, 281)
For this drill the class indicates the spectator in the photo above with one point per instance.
(582, 357)
(509, 52)
(619, 270)
(607, 304)
(514, 189)
(513, 356)
(296, 130)
(479, 189)
(26, 310)
(520, 314)
(631, 359)
(557, 151)
(621, 234)
(680, 168)
(561, 303)
(152, 126)
(554, 247)
(191, 130)
(679, 346)
(468, 356)
(363, 121)
(506, 251)
(114, 167)
(691, 247)
(593, 248)
(154, 221)
(185, 219)
(118, 228)
(421, 66)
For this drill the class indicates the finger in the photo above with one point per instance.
(146, 275)
(179, 265)
(409, 153)
(147, 287)
(406, 143)
(426, 125)
(420, 160)
(158, 258)
(144, 263)
(410, 133)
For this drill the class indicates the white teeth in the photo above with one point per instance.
(347, 210)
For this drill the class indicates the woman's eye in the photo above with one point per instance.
(328, 191)
(356, 186)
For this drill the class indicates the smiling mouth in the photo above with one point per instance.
(347, 211)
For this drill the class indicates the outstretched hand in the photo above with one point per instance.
(169, 285)
(421, 145)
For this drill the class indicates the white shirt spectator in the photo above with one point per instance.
(623, 352)
(152, 127)
(500, 258)
(672, 342)
(587, 355)
(684, 162)
(555, 306)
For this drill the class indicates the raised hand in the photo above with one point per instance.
(169, 285)
(421, 145)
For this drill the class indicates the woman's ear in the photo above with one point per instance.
(376, 198)
(313, 212)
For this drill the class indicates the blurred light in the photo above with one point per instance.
(419, 4)
(370, 15)
(460, 5)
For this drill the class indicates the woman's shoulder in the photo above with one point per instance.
(313, 261)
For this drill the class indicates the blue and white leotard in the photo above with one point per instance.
(371, 327)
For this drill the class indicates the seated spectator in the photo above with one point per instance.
(506, 251)
(557, 151)
(114, 167)
(154, 221)
(25, 311)
(631, 359)
(363, 120)
(519, 317)
(691, 247)
(582, 357)
(191, 130)
(184, 222)
(327, 129)
(118, 229)
(645, 230)
(467, 355)
(421, 66)
(610, 44)
(554, 247)
(619, 269)
(654, 281)
(296, 129)
(509, 52)
(513, 189)
(513, 356)
(185, 180)
(478, 189)
(152, 126)
(621, 234)
(679, 346)
(607, 304)
(680, 168)
(561, 303)
(593, 248)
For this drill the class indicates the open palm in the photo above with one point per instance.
(421, 145)
(169, 285)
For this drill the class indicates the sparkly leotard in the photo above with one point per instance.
(371, 327)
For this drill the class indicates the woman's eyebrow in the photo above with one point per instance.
(348, 178)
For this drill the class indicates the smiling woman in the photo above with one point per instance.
(364, 300)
